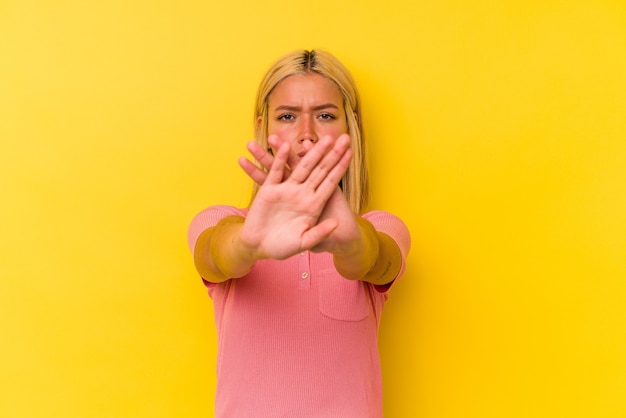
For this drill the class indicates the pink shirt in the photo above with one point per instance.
(295, 339)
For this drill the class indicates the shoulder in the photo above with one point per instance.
(208, 218)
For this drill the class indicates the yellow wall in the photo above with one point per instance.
(498, 133)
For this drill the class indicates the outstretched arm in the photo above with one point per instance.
(219, 255)
(284, 218)
(375, 258)
(359, 251)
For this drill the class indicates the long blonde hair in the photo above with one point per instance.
(355, 183)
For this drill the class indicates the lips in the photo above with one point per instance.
(301, 154)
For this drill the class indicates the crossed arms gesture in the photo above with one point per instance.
(296, 210)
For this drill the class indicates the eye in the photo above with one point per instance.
(286, 117)
(326, 116)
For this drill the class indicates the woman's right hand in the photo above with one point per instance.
(283, 218)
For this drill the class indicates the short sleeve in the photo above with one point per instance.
(394, 227)
(207, 219)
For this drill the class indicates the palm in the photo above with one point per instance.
(347, 229)
(289, 213)
(280, 220)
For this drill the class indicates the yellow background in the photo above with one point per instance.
(497, 132)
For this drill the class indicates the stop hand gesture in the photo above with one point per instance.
(299, 209)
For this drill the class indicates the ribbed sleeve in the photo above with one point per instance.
(208, 218)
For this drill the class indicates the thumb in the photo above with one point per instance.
(319, 233)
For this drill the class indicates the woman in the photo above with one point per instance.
(299, 279)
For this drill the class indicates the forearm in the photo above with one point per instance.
(375, 258)
(219, 255)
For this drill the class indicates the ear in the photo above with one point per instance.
(259, 119)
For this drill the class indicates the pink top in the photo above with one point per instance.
(295, 339)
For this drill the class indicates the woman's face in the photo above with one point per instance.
(302, 109)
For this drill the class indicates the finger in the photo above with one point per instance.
(265, 157)
(274, 141)
(254, 172)
(327, 187)
(319, 233)
(261, 155)
(311, 159)
(330, 161)
(277, 170)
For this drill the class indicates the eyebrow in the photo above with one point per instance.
(298, 108)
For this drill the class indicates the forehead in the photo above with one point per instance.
(306, 88)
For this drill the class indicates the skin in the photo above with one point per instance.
(299, 205)
(302, 110)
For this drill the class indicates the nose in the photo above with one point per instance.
(307, 132)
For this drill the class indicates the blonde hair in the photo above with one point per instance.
(355, 183)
